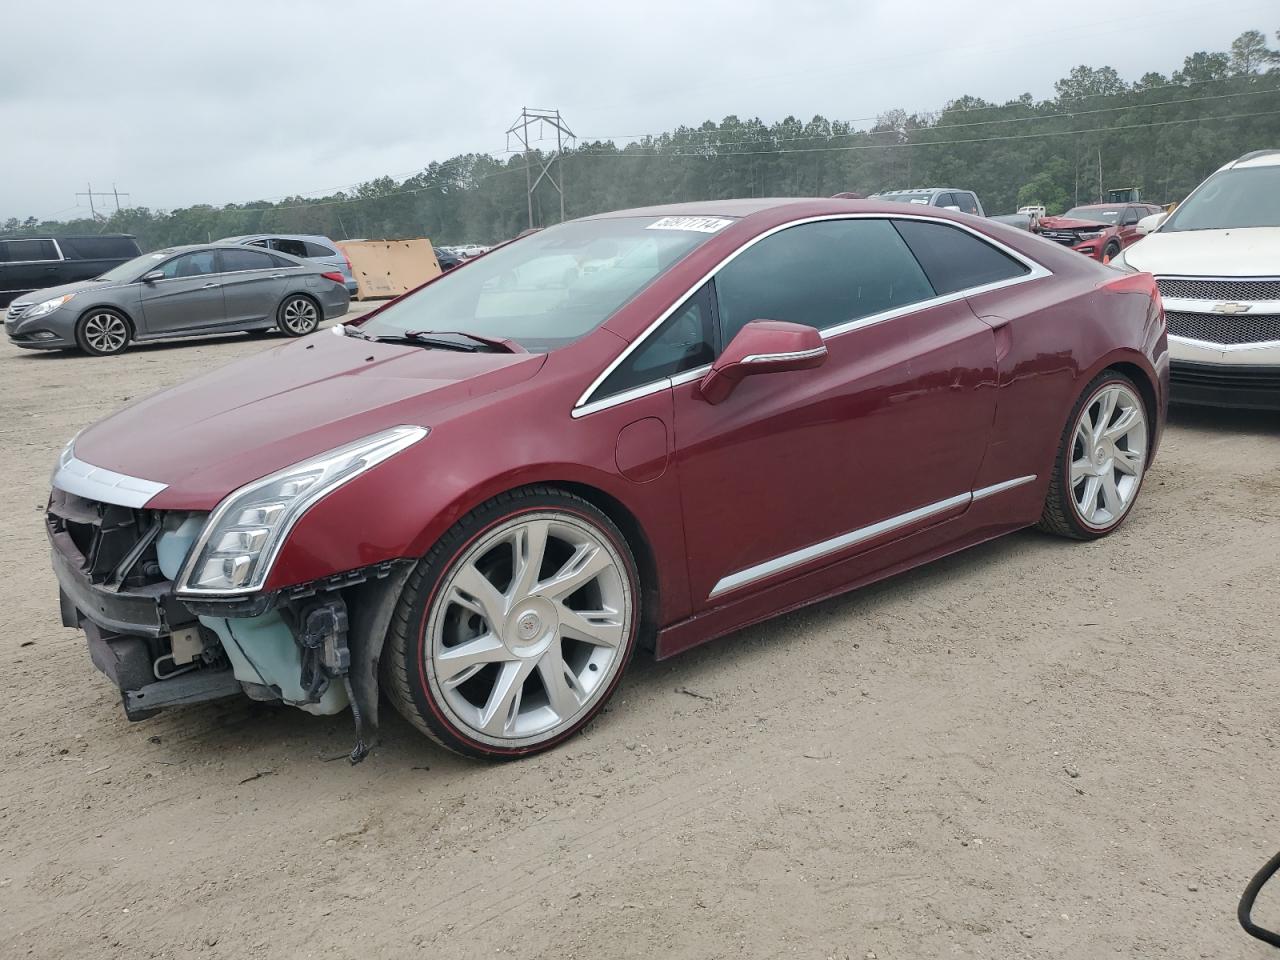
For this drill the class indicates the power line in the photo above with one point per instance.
(973, 123)
(922, 143)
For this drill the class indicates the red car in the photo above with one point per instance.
(1098, 230)
(643, 429)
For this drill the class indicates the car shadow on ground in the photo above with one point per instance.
(273, 736)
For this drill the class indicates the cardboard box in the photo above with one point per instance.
(388, 268)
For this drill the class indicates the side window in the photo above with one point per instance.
(197, 264)
(685, 341)
(238, 258)
(823, 274)
(955, 259)
(258, 243)
(944, 200)
(24, 251)
(1131, 216)
(280, 261)
(295, 248)
(966, 202)
(315, 250)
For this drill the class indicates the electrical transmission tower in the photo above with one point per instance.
(520, 130)
(93, 212)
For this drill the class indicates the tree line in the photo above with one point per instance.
(1160, 133)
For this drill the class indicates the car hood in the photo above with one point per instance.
(236, 424)
(1242, 252)
(1070, 223)
(48, 293)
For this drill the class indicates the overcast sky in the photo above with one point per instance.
(230, 101)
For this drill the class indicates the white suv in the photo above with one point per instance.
(1216, 260)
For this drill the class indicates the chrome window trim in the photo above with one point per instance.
(584, 405)
(82, 479)
(56, 246)
(795, 558)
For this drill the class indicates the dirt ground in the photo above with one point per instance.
(1033, 749)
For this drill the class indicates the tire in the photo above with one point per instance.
(1097, 476)
(103, 332)
(490, 654)
(1112, 250)
(298, 315)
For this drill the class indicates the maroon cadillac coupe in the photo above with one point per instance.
(643, 429)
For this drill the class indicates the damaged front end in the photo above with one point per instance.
(315, 646)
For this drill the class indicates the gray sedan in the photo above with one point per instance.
(179, 292)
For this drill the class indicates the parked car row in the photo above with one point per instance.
(179, 292)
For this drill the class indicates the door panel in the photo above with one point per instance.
(252, 285)
(884, 439)
(188, 298)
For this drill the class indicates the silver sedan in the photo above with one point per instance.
(179, 292)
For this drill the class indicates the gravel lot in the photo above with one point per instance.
(1034, 749)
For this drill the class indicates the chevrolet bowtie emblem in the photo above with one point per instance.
(1231, 308)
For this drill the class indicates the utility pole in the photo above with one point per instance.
(91, 193)
(520, 130)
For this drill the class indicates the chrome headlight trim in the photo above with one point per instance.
(345, 462)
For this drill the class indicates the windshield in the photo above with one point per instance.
(923, 197)
(552, 287)
(133, 269)
(1243, 197)
(1095, 214)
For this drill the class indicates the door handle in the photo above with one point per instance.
(277, 276)
(209, 285)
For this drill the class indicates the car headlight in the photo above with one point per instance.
(45, 307)
(243, 535)
(1089, 236)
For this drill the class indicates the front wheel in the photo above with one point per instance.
(298, 316)
(1111, 252)
(514, 630)
(1101, 460)
(102, 333)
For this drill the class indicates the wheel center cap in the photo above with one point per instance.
(1100, 456)
(531, 626)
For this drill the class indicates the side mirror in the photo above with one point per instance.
(1148, 224)
(763, 346)
(952, 207)
(152, 276)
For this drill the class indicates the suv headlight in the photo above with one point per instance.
(45, 307)
(1091, 235)
(243, 535)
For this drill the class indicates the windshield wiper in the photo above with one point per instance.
(439, 340)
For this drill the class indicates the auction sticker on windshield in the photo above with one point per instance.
(700, 224)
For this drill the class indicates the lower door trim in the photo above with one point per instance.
(804, 555)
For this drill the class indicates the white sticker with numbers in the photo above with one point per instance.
(698, 224)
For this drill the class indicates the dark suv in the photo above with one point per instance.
(36, 263)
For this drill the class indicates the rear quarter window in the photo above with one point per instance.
(318, 250)
(26, 251)
(955, 259)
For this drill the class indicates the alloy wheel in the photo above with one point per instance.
(1108, 455)
(299, 316)
(529, 627)
(106, 332)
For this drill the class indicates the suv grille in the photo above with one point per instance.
(1224, 329)
(1219, 290)
(1061, 236)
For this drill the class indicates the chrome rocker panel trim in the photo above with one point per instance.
(768, 568)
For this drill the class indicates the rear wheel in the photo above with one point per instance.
(298, 316)
(514, 630)
(1101, 460)
(103, 333)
